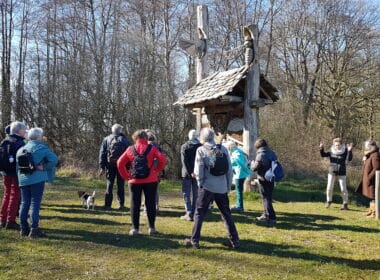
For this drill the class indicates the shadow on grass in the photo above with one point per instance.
(175, 241)
(83, 220)
(296, 221)
(78, 209)
(144, 242)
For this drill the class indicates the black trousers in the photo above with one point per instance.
(204, 199)
(150, 192)
(266, 191)
(112, 174)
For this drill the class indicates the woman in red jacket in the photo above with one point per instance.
(136, 166)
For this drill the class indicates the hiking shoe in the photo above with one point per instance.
(187, 217)
(237, 209)
(344, 206)
(134, 232)
(123, 208)
(152, 231)
(24, 232)
(12, 225)
(231, 244)
(36, 233)
(189, 243)
(328, 204)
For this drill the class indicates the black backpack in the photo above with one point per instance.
(218, 161)
(7, 151)
(139, 166)
(25, 162)
(116, 148)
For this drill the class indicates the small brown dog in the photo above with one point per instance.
(87, 199)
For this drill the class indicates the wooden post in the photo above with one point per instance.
(201, 67)
(252, 90)
(377, 195)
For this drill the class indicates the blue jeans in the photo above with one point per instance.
(189, 186)
(221, 200)
(31, 197)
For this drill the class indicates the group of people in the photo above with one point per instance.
(339, 154)
(209, 169)
(26, 164)
(141, 163)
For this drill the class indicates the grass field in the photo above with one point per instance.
(308, 242)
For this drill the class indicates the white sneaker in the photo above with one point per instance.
(134, 232)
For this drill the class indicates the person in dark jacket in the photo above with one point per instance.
(11, 197)
(370, 166)
(148, 185)
(189, 182)
(113, 146)
(261, 164)
(338, 155)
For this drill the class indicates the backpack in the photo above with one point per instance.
(139, 166)
(218, 162)
(7, 155)
(115, 149)
(25, 162)
(275, 172)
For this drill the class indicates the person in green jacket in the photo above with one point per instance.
(32, 184)
(241, 171)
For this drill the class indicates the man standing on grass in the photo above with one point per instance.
(213, 172)
(261, 164)
(189, 183)
(113, 146)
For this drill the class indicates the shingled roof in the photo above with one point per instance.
(224, 83)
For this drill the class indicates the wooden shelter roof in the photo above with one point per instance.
(219, 84)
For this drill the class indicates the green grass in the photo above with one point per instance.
(308, 242)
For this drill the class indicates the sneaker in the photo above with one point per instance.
(262, 218)
(134, 232)
(237, 209)
(12, 225)
(328, 204)
(152, 231)
(231, 244)
(189, 243)
(24, 232)
(36, 233)
(187, 217)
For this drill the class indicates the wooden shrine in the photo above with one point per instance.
(228, 101)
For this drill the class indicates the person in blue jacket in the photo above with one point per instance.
(32, 184)
(240, 170)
